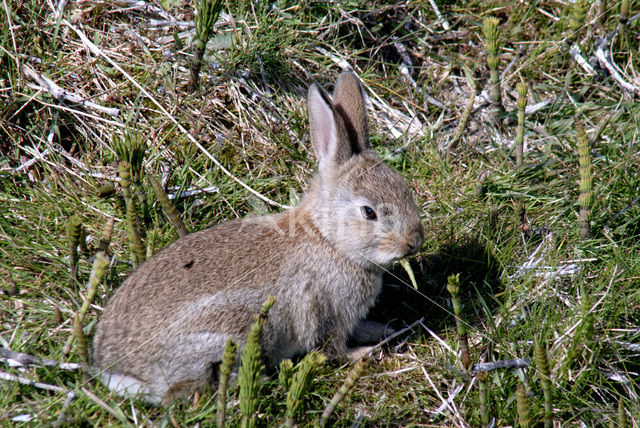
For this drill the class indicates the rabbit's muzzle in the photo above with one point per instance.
(414, 243)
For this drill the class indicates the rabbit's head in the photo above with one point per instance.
(360, 205)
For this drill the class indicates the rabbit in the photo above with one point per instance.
(163, 332)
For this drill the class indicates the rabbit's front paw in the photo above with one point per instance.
(359, 352)
(368, 332)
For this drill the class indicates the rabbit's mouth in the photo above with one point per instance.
(394, 247)
(386, 258)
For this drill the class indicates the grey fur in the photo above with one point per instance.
(166, 326)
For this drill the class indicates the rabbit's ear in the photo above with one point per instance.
(327, 130)
(348, 102)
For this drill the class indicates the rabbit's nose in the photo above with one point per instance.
(415, 243)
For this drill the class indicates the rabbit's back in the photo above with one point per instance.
(179, 307)
(218, 266)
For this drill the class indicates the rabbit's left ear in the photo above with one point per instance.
(327, 131)
(348, 102)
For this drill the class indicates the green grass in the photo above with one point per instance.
(589, 319)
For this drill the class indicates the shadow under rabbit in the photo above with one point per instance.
(400, 305)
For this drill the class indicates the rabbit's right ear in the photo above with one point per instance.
(326, 129)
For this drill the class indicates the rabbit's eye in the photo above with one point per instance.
(369, 213)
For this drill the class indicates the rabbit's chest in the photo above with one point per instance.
(356, 295)
(329, 302)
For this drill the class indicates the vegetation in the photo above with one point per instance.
(94, 101)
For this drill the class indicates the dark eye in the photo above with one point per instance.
(369, 213)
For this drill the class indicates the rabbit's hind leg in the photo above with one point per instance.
(186, 388)
(191, 363)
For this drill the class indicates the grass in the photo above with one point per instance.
(579, 297)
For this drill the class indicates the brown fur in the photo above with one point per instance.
(168, 322)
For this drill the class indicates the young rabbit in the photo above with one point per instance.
(164, 331)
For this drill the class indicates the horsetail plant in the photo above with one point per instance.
(74, 232)
(622, 415)
(522, 406)
(602, 12)
(483, 396)
(153, 236)
(131, 215)
(285, 374)
(130, 147)
(169, 209)
(464, 119)
(99, 269)
(130, 151)
(81, 344)
(353, 375)
(522, 89)
(82, 244)
(134, 152)
(585, 200)
(207, 12)
(577, 18)
(106, 190)
(491, 38)
(453, 287)
(544, 373)
(304, 374)
(602, 125)
(623, 19)
(98, 272)
(228, 358)
(251, 367)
